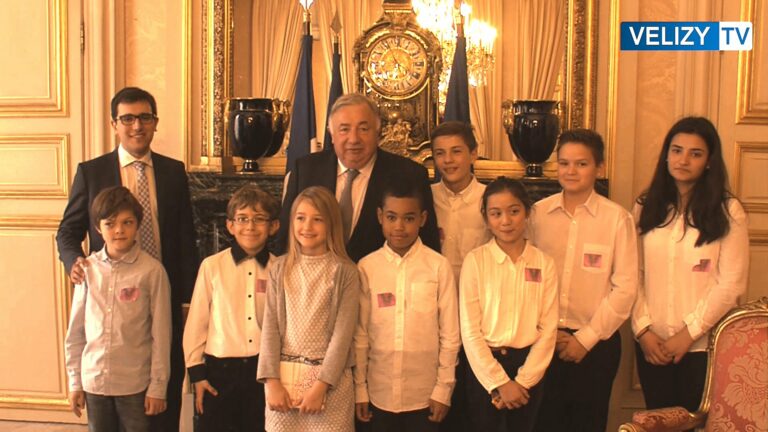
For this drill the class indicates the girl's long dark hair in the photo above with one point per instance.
(707, 209)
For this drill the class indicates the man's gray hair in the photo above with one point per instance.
(351, 99)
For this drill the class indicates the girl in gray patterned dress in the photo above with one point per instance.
(310, 318)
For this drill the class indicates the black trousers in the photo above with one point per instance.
(671, 385)
(239, 406)
(409, 421)
(457, 420)
(576, 396)
(168, 420)
(483, 416)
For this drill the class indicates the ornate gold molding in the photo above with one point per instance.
(217, 76)
(749, 110)
(186, 79)
(55, 103)
(613, 88)
(581, 64)
(62, 292)
(27, 142)
(758, 237)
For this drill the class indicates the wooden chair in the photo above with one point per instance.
(736, 390)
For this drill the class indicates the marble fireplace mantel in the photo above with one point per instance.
(210, 193)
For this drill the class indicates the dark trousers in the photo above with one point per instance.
(409, 421)
(671, 385)
(576, 396)
(483, 416)
(168, 420)
(239, 406)
(116, 413)
(457, 420)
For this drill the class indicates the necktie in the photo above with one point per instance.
(346, 202)
(145, 229)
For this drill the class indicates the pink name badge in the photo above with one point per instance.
(593, 260)
(703, 265)
(532, 274)
(261, 286)
(386, 299)
(128, 295)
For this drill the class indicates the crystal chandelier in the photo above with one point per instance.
(445, 18)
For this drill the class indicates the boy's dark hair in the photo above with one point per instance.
(131, 95)
(249, 196)
(589, 138)
(112, 201)
(512, 186)
(455, 128)
(399, 188)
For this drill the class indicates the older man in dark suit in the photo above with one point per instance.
(356, 171)
(160, 184)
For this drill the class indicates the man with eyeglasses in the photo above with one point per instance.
(167, 232)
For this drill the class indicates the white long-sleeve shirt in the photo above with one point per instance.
(408, 334)
(227, 308)
(461, 224)
(595, 251)
(683, 285)
(505, 303)
(119, 337)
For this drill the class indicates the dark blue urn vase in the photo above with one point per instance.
(256, 127)
(532, 127)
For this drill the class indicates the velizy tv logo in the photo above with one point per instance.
(686, 36)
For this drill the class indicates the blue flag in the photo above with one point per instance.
(303, 127)
(457, 99)
(333, 94)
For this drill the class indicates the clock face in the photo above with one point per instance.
(397, 65)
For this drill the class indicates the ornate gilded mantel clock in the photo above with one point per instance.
(398, 65)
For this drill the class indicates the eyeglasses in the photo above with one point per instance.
(144, 118)
(257, 220)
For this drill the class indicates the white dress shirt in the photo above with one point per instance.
(128, 179)
(460, 222)
(119, 337)
(683, 285)
(507, 303)
(408, 334)
(359, 186)
(227, 308)
(595, 251)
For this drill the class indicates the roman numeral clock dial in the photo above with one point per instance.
(397, 65)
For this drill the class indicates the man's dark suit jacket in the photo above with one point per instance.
(320, 169)
(174, 213)
(177, 238)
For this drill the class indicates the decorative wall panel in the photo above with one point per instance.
(33, 315)
(34, 166)
(750, 177)
(752, 98)
(33, 78)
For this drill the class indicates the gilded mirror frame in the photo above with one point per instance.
(217, 86)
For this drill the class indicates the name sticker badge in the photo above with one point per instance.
(686, 36)
(386, 299)
(261, 286)
(532, 274)
(128, 295)
(593, 260)
(703, 265)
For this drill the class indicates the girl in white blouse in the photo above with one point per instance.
(508, 314)
(694, 263)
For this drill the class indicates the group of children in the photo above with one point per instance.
(514, 327)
